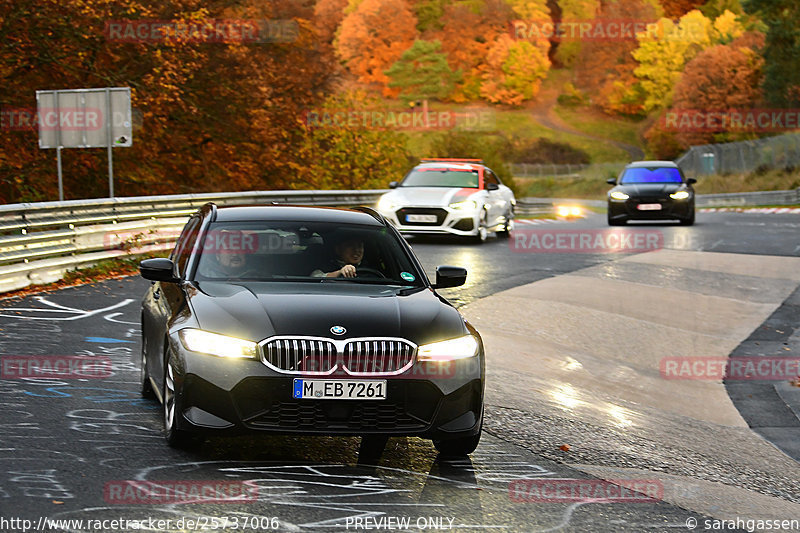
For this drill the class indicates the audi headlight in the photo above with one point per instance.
(619, 195)
(458, 348)
(680, 195)
(466, 204)
(384, 204)
(197, 340)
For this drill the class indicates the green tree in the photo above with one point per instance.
(782, 50)
(429, 14)
(422, 73)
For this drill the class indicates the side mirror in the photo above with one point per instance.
(611, 181)
(492, 186)
(691, 181)
(158, 269)
(393, 184)
(450, 276)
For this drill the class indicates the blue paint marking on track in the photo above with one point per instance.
(104, 340)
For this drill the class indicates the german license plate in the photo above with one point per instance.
(339, 389)
(649, 207)
(421, 218)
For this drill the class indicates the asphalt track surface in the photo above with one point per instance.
(65, 445)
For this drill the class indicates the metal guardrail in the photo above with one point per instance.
(40, 242)
(749, 199)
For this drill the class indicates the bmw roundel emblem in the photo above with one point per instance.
(338, 330)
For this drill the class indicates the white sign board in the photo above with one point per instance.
(85, 118)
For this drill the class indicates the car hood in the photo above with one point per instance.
(650, 189)
(429, 196)
(259, 310)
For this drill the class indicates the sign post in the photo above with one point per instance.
(85, 118)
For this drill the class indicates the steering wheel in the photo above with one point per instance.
(366, 270)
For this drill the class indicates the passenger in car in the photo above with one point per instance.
(349, 253)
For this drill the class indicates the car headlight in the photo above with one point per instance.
(466, 204)
(459, 348)
(197, 340)
(384, 204)
(619, 195)
(680, 195)
(569, 211)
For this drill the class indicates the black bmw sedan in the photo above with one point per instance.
(651, 190)
(309, 320)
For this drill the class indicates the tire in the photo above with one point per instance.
(145, 386)
(689, 221)
(176, 438)
(483, 233)
(505, 233)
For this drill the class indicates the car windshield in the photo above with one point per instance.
(651, 175)
(303, 251)
(441, 177)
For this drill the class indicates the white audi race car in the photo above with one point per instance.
(450, 197)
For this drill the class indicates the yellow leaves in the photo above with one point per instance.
(531, 10)
(516, 69)
(727, 27)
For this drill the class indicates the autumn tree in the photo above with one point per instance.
(373, 36)
(572, 11)
(422, 73)
(328, 14)
(714, 8)
(467, 33)
(345, 154)
(782, 49)
(516, 70)
(721, 78)
(674, 9)
(664, 51)
(604, 68)
(215, 115)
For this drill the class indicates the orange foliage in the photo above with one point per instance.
(373, 36)
(467, 37)
(214, 115)
(720, 78)
(675, 9)
(604, 69)
(328, 14)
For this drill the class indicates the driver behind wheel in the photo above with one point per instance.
(349, 253)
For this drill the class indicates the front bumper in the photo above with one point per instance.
(449, 221)
(670, 209)
(218, 395)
